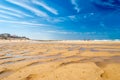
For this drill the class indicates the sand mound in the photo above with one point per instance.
(75, 71)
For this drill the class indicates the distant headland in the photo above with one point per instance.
(7, 36)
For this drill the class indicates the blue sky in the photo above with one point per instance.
(61, 19)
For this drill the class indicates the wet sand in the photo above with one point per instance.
(61, 60)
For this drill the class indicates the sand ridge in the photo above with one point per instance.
(32, 60)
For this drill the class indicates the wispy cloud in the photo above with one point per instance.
(56, 20)
(28, 7)
(62, 19)
(5, 16)
(62, 32)
(76, 7)
(45, 6)
(10, 13)
(72, 17)
(69, 32)
(24, 23)
(14, 10)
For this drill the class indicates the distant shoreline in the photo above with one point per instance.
(76, 40)
(60, 41)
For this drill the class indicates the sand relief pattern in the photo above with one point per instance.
(59, 61)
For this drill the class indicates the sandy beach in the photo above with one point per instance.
(59, 60)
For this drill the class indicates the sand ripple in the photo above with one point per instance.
(60, 61)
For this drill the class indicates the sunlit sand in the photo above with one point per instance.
(59, 60)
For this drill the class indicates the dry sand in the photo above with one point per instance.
(80, 60)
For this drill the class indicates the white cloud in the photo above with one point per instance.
(72, 17)
(74, 2)
(28, 7)
(14, 10)
(10, 13)
(56, 20)
(23, 23)
(5, 16)
(62, 19)
(69, 32)
(45, 6)
(62, 32)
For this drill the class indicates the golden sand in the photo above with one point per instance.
(80, 60)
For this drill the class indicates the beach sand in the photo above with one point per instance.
(59, 60)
